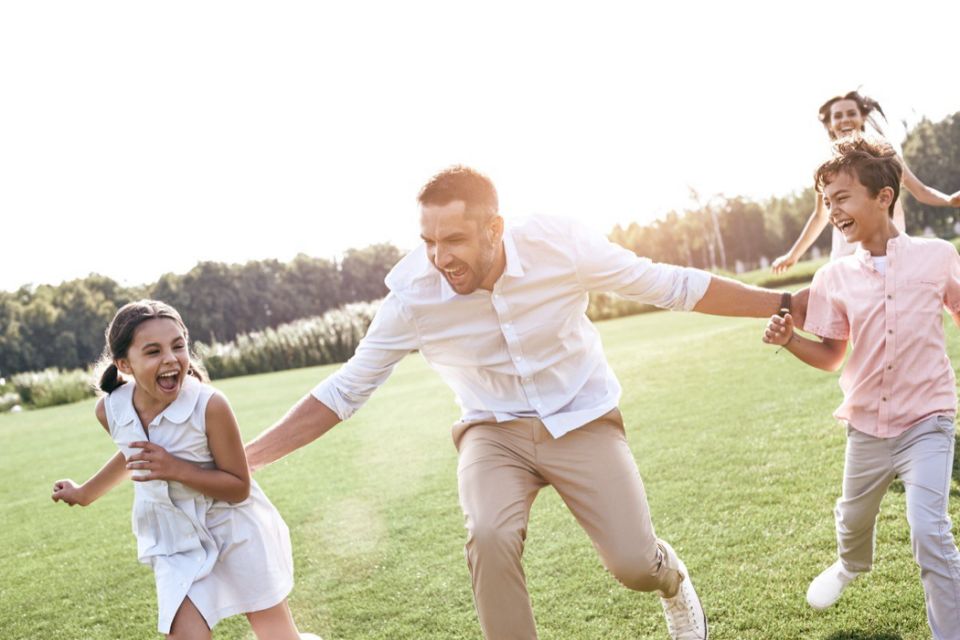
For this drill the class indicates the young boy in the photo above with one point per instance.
(899, 397)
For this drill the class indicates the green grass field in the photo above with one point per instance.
(741, 460)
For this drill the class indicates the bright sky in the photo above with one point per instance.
(138, 138)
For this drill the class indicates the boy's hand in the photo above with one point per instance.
(154, 459)
(779, 330)
(67, 491)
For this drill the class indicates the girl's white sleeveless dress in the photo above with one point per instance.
(227, 558)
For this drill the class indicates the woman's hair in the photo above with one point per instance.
(119, 335)
(871, 161)
(866, 104)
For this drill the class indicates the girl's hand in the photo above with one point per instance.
(68, 491)
(159, 464)
(955, 199)
(779, 330)
(784, 262)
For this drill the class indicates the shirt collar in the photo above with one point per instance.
(177, 412)
(511, 268)
(893, 244)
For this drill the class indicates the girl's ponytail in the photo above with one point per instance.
(110, 379)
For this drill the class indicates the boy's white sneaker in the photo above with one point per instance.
(310, 636)
(683, 611)
(827, 587)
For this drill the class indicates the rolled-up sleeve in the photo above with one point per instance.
(391, 336)
(605, 266)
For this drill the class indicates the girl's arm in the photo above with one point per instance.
(230, 481)
(811, 231)
(827, 355)
(925, 194)
(100, 483)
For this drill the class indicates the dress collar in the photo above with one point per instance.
(177, 412)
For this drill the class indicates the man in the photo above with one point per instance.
(500, 314)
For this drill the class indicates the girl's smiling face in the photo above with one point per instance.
(158, 359)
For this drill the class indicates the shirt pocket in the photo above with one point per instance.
(920, 296)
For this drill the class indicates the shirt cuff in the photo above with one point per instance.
(695, 285)
(327, 393)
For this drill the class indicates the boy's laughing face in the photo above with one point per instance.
(858, 215)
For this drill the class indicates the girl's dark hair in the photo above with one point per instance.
(866, 104)
(119, 335)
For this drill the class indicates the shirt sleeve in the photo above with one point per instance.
(391, 336)
(951, 295)
(825, 317)
(605, 266)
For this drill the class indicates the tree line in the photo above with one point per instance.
(63, 325)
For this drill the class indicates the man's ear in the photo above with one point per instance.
(495, 228)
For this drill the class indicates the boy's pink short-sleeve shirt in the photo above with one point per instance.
(898, 372)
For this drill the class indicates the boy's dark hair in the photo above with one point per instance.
(119, 335)
(462, 183)
(873, 162)
(866, 104)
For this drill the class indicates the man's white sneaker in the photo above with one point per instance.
(685, 617)
(827, 587)
(310, 636)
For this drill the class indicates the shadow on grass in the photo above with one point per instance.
(897, 485)
(864, 635)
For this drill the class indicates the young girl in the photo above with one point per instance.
(217, 546)
(899, 389)
(843, 116)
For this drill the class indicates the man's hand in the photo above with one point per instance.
(159, 464)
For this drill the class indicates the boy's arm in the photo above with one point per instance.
(827, 355)
(109, 475)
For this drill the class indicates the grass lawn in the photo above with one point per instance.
(741, 460)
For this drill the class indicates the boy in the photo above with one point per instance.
(899, 390)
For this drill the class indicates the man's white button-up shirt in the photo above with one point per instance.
(525, 349)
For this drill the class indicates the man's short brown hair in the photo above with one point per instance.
(462, 183)
(873, 162)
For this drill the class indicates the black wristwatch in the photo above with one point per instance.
(785, 302)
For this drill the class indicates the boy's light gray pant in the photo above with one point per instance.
(922, 457)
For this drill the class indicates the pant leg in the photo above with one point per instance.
(924, 461)
(867, 473)
(593, 470)
(498, 483)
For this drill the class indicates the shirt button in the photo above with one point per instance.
(889, 296)
(889, 366)
(518, 358)
(884, 398)
(889, 330)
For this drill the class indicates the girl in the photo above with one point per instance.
(842, 116)
(217, 546)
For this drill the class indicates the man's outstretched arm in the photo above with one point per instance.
(726, 297)
(305, 422)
